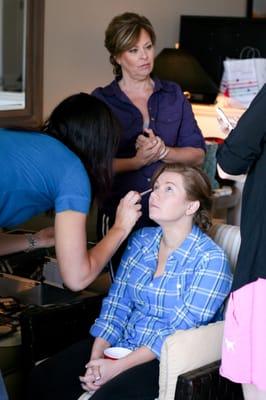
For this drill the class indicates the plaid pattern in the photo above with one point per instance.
(142, 310)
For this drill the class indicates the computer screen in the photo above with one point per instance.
(211, 39)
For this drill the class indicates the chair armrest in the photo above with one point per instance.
(206, 383)
(187, 350)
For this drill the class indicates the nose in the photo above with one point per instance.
(154, 193)
(144, 53)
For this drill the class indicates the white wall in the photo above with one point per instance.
(74, 55)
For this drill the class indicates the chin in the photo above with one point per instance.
(153, 217)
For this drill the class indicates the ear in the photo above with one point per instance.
(192, 207)
(117, 59)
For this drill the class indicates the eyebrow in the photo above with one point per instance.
(145, 44)
(167, 183)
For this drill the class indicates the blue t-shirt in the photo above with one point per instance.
(38, 173)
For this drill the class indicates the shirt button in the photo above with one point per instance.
(151, 284)
(148, 179)
(152, 119)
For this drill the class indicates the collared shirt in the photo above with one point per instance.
(142, 310)
(171, 118)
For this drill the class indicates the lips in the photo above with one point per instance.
(145, 66)
(152, 205)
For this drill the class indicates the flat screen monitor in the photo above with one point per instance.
(211, 39)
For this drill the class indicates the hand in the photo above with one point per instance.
(45, 237)
(91, 378)
(128, 211)
(99, 372)
(150, 148)
(144, 138)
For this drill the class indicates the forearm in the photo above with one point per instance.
(126, 164)
(98, 348)
(12, 243)
(137, 357)
(101, 253)
(185, 155)
(80, 268)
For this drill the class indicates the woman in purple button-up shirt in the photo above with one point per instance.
(157, 121)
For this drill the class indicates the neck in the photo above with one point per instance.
(128, 84)
(173, 236)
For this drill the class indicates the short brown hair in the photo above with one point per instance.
(122, 34)
(197, 187)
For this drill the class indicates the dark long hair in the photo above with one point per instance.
(88, 128)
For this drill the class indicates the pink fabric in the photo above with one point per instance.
(244, 342)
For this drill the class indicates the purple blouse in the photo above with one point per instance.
(171, 118)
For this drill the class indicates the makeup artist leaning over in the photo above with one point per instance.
(61, 168)
(157, 121)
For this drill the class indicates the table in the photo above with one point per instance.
(51, 319)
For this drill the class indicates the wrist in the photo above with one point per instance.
(164, 154)
(120, 231)
(137, 162)
(32, 241)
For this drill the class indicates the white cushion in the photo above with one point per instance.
(186, 350)
(228, 238)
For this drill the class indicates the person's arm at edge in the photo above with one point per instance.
(222, 174)
(13, 243)
(78, 266)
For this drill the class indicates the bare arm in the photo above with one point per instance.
(185, 155)
(12, 243)
(182, 155)
(149, 149)
(78, 266)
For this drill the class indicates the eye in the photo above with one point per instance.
(149, 46)
(168, 189)
(155, 187)
(132, 51)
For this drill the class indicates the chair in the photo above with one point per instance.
(189, 366)
(190, 359)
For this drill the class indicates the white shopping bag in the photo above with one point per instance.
(243, 78)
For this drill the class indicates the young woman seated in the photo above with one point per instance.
(171, 277)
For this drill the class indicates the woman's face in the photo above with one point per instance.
(168, 201)
(137, 62)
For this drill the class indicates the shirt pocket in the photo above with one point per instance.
(167, 126)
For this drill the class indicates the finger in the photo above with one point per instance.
(84, 387)
(132, 197)
(96, 373)
(149, 132)
(141, 138)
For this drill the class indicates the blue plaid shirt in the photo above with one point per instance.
(142, 310)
